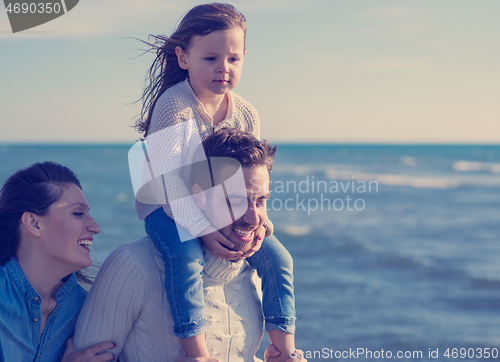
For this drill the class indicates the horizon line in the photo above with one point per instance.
(282, 143)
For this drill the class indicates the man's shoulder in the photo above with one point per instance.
(141, 253)
(145, 243)
(136, 264)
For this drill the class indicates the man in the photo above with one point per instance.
(127, 303)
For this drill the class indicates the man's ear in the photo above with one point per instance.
(181, 57)
(199, 196)
(30, 221)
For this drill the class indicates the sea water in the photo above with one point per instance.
(396, 247)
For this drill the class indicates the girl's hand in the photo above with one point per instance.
(272, 352)
(71, 354)
(261, 233)
(215, 242)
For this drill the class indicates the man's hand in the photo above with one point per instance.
(215, 241)
(71, 354)
(272, 352)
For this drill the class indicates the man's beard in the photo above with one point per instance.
(246, 246)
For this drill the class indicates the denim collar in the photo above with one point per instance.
(19, 279)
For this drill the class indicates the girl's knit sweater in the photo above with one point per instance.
(179, 124)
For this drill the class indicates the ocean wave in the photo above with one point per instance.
(436, 181)
(468, 166)
(296, 230)
(420, 182)
(408, 161)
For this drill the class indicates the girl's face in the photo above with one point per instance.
(214, 62)
(67, 230)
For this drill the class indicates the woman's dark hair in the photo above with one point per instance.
(165, 71)
(33, 189)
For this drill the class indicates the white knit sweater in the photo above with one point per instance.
(127, 305)
(172, 149)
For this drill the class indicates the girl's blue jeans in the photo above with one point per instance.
(184, 264)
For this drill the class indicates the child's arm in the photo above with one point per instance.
(261, 234)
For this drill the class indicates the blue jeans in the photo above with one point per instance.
(274, 265)
(184, 264)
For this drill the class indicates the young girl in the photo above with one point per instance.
(188, 97)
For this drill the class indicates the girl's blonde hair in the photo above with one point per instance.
(165, 71)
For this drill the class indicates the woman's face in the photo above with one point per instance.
(67, 230)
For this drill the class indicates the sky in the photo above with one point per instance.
(342, 71)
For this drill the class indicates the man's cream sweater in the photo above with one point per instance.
(127, 305)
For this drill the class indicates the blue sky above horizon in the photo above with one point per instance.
(383, 71)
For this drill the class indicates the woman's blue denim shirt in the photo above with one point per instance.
(20, 317)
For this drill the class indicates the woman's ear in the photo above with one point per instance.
(181, 57)
(199, 196)
(30, 221)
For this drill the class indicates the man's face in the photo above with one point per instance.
(252, 206)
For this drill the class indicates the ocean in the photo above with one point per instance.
(396, 247)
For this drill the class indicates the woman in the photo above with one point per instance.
(45, 234)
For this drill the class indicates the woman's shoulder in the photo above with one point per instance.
(73, 292)
(2, 271)
(3, 276)
(11, 271)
